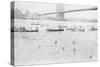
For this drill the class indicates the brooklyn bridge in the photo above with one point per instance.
(60, 12)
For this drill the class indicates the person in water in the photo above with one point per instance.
(63, 48)
(39, 46)
(73, 42)
(74, 51)
(56, 42)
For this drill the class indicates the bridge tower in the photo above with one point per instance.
(59, 11)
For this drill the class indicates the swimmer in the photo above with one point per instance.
(63, 48)
(39, 46)
(74, 51)
(56, 42)
(73, 42)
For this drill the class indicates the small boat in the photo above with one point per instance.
(54, 30)
(14, 30)
(30, 31)
(37, 23)
(36, 30)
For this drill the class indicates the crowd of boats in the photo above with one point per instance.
(59, 28)
(23, 29)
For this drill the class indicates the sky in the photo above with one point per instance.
(38, 7)
(44, 7)
(35, 7)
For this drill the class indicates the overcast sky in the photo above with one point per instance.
(44, 7)
(37, 7)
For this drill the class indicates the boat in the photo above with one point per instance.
(30, 31)
(36, 30)
(14, 29)
(22, 29)
(55, 30)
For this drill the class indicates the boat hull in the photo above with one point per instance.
(55, 30)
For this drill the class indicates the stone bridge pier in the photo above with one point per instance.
(59, 12)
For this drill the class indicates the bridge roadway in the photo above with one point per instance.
(68, 11)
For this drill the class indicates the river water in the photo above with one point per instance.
(54, 47)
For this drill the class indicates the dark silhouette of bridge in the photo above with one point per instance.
(60, 11)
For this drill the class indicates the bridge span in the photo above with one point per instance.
(60, 11)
